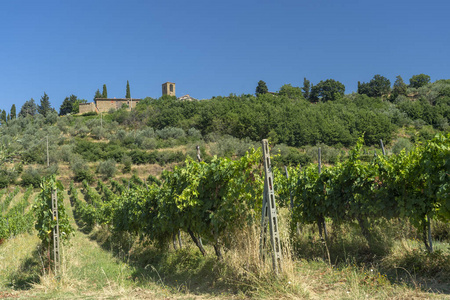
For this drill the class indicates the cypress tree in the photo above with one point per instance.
(306, 88)
(105, 93)
(3, 117)
(13, 111)
(128, 96)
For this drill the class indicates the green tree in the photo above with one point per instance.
(377, 87)
(13, 111)
(290, 91)
(261, 88)
(44, 109)
(105, 93)
(3, 117)
(399, 87)
(97, 94)
(67, 107)
(306, 88)
(327, 90)
(418, 81)
(28, 109)
(380, 85)
(76, 105)
(128, 96)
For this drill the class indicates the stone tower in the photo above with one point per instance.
(168, 88)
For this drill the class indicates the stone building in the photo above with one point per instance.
(104, 105)
(86, 108)
(168, 88)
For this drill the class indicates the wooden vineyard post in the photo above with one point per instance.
(321, 222)
(269, 214)
(56, 252)
(382, 147)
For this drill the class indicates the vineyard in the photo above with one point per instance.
(17, 219)
(213, 203)
(214, 200)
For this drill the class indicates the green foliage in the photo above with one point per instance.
(105, 92)
(80, 169)
(377, 87)
(76, 105)
(43, 212)
(13, 112)
(3, 117)
(107, 168)
(417, 81)
(261, 88)
(194, 133)
(170, 132)
(31, 176)
(290, 91)
(306, 88)
(5, 203)
(7, 176)
(399, 87)
(328, 90)
(128, 95)
(126, 161)
(29, 108)
(17, 220)
(97, 94)
(68, 105)
(289, 156)
(402, 144)
(44, 108)
(152, 179)
(412, 186)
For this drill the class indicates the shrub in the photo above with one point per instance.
(147, 132)
(149, 143)
(402, 143)
(107, 168)
(426, 133)
(194, 133)
(170, 132)
(66, 152)
(80, 169)
(31, 176)
(90, 113)
(164, 157)
(152, 179)
(289, 156)
(230, 146)
(127, 162)
(329, 154)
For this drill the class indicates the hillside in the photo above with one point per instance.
(356, 230)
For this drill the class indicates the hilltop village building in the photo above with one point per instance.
(102, 105)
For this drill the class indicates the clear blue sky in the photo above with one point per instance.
(211, 48)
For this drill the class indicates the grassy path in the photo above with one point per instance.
(92, 272)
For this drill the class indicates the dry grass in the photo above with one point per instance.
(93, 269)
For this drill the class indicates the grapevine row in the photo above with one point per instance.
(17, 220)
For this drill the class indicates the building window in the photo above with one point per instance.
(171, 87)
